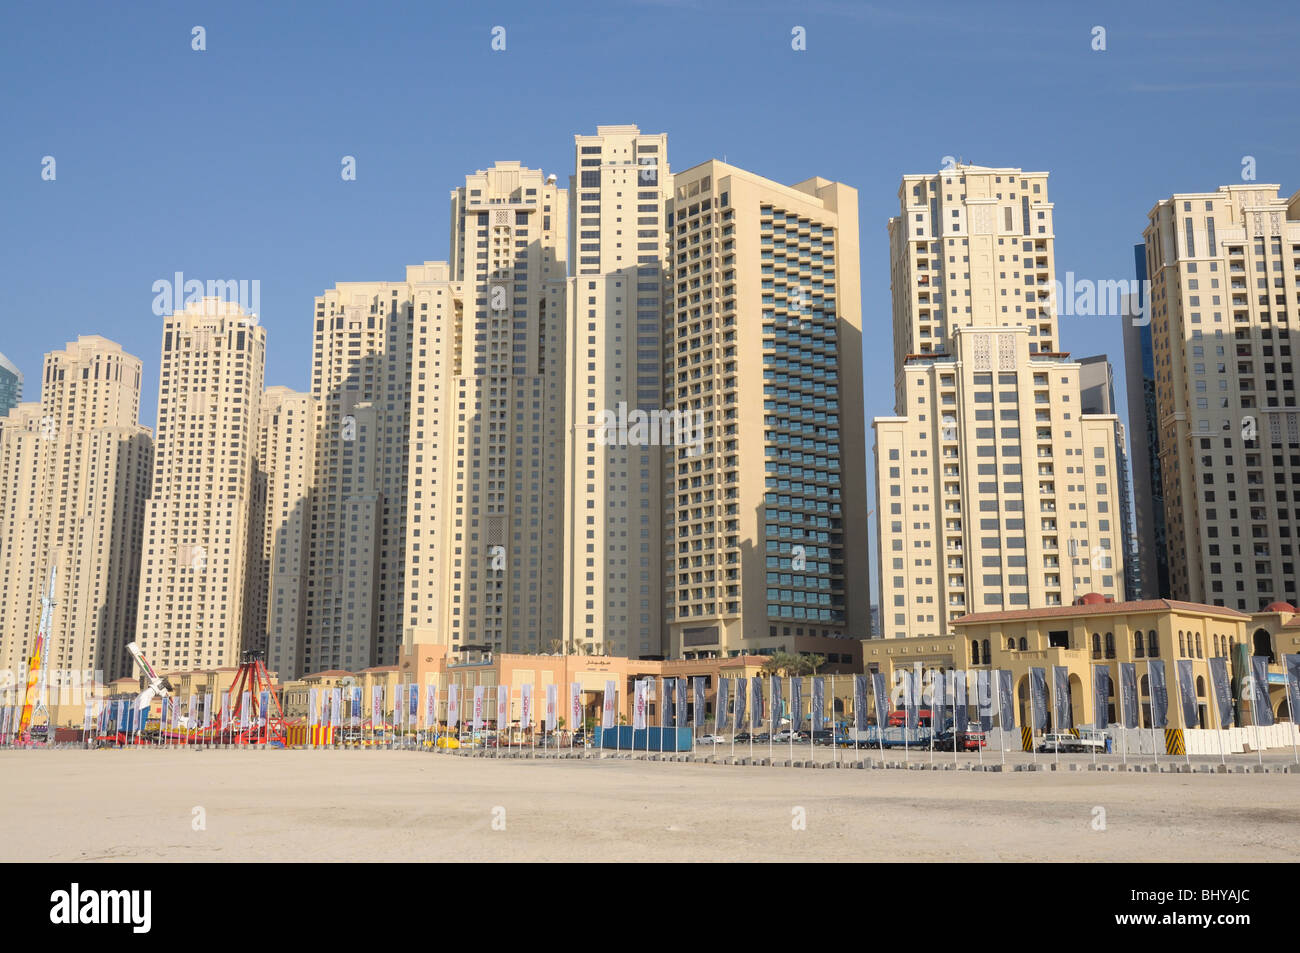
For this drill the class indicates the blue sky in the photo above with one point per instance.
(225, 163)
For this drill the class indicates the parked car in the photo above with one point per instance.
(743, 738)
(822, 737)
(711, 740)
(762, 739)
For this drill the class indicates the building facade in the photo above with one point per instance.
(286, 467)
(199, 604)
(11, 385)
(613, 497)
(75, 470)
(1224, 267)
(1144, 438)
(765, 310)
(1097, 394)
(994, 488)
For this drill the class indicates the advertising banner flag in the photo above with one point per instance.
(453, 705)
(356, 706)
(984, 698)
(880, 694)
(263, 708)
(938, 700)
(776, 705)
(1101, 696)
(503, 707)
(607, 705)
(376, 706)
(192, 715)
(245, 709)
(1261, 709)
(738, 716)
(122, 708)
(413, 703)
(430, 706)
(207, 709)
(910, 708)
(1159, 693)
(1038, 698)
(640, 689)
(960, 715)
(311, 708)
(225, 709)
(665, 702)
(755, 702)
(336, 707)
(818, 707)
(1063, 717)
(1006, 701)
(526, 706)
(575, 706)
(680, 708)
(1219, 678)
(722, 717)
(1291, 663)
(1128, 693)
(480, 707)
(398, 691)
(552, 705)
(860, 702)
(697, 714)
(796, 704)
(1187, 693)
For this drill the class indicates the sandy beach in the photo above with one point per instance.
(388, 805)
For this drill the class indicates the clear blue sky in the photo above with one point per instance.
(225, 163)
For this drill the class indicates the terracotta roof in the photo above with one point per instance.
(330, 674)
(1105, 608)
(379, 668)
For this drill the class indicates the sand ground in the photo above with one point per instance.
(68, 805)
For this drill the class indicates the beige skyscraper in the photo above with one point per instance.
(485, 540)
(993, 489)
(286, 460)
(198, 577)
(360, 379)
(1225, 292)
(613, 486)
(75, 474)
(765, 517)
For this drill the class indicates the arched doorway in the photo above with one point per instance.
(1263, 644)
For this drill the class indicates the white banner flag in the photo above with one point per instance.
(376, 706)
(552, 705)
(478, 708)
(607, 709)
(430, 706)
(642, 687)
(526, 706)
(503, 708)
(575, 705)
(453, 705)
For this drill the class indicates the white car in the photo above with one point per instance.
(712, 740)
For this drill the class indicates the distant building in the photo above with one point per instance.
(1097, 392)
(11, 385)
(1144, 438)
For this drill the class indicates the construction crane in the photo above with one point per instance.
(38, 671)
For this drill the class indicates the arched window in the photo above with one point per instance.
(1182, 648)
(1200, 687)
(1011, 645)
(1264, 644)
(1110, 645)
(974, 652)
(1096, 645)
(1198, 646)
(1216, 644)
(1153, 647)
(1146, 685)
(1137, 645)
(988, 657)
(1023, 644)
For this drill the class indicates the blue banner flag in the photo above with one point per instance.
(1128, 693)
(860, 702)
(1006, 701)
(1100, 696)
(1222, 683)
(1187, 693)
(1260, 707)
(1038, 698)
(1159, 693)
(818, 709)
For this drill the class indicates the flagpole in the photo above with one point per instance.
(954, 716)
(1094, 714)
